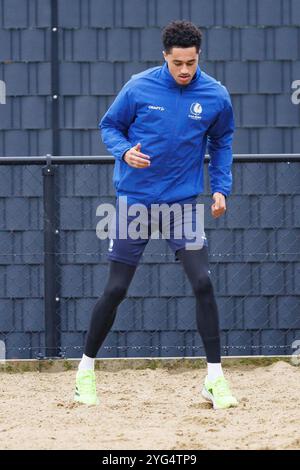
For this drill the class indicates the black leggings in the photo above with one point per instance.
(195, 264)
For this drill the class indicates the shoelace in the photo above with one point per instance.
(221, 387)
(88, 385)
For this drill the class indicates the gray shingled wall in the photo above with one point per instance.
(253, 47)
(254, 255)
(21, 260)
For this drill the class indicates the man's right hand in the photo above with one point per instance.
(135, 158)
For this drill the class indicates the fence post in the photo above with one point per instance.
(51, 286)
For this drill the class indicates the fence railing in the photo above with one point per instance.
(53, 266)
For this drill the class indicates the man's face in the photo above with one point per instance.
(182, 63)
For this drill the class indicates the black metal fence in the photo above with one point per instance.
(53, 266)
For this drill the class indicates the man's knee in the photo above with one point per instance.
(202, 285)
(116, 292)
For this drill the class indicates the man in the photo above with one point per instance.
(157, 129)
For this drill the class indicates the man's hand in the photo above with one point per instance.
(219, 206)
(135, 158)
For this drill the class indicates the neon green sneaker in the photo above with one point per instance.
(218, 393)
(86, 388)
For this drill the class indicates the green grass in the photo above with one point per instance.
(114, 365)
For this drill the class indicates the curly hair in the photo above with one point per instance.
(181, 34)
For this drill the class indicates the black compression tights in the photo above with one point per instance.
(195, 264)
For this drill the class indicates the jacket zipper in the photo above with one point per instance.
(177, 107)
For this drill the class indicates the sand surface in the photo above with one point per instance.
(151, 409)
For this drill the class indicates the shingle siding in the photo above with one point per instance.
(253, 48)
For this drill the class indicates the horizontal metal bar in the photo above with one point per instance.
(267, 157)
(60, 160)
(69, 159)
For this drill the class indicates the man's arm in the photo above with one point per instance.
(115, 124)
(219, 147)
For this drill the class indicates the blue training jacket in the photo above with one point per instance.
(174, 124)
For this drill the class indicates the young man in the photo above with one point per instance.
(157, 129)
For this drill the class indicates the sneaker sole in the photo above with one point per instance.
(209, 397)
(78, 400)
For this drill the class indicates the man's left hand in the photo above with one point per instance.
(219, 206)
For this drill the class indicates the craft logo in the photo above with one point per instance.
(158, 108)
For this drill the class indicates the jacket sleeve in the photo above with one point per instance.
(219, 145)
(115, 123)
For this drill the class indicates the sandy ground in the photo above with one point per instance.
(151, 409)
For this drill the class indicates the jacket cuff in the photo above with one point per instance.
(121, 152)
(122, 157)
